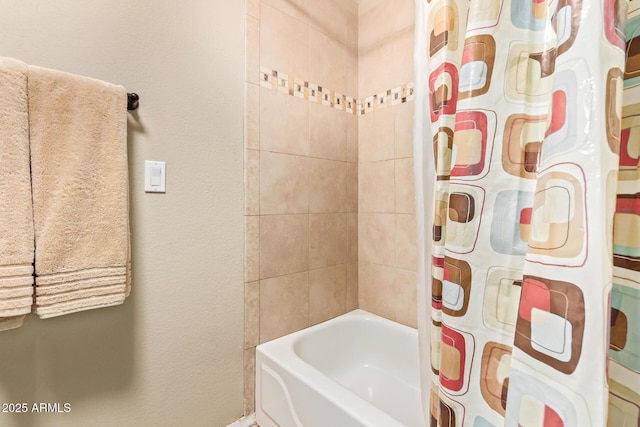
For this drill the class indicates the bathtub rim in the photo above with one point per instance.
(282, 349)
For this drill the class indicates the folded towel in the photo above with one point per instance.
(80, 191)
(16, 217)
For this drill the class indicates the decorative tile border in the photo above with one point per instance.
(292, 86)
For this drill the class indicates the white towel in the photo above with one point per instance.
(80, 191)
(16, 217)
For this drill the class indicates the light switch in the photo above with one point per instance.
(154, 176)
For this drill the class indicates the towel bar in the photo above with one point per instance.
(132, 101)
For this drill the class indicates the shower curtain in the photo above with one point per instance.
(527, 141)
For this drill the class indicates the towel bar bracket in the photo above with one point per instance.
(132, 101)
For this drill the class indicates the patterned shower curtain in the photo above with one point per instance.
(527, 142)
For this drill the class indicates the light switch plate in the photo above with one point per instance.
(154, 176)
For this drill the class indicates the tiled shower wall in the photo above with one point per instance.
(301, 168)
(329, 211)
(386, 209)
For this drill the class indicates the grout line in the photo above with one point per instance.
(292, 86)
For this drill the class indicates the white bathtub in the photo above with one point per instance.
(358, 369)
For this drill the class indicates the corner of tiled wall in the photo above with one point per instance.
(329, 213)
(251, 201)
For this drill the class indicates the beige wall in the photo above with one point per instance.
(386, 210)
(301, 169)
(172, 354)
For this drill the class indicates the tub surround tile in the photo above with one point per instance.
(251, 248)
(406, 252)
(372, 77)
(284, 123)
(403, 130)
(327, 119)
(330, 17)
(251, 314)
(284, 244)
(406, 298)
(403, 16)
(352, 236)
(376, 285)
(352, 285)
(251, 182)
(328, 133)
(327, 186)
(327, 293)
(401, 49)
(352, 139)
(376, 235)
(327, 240)
(375, 25)
(376, 136)
(328, 63)
(249, 380)
(283, 39)
(284, 183)
(252, 49)
(376, 186)
(352, 187)
(284, 305)
(404, 186)
(252, 116)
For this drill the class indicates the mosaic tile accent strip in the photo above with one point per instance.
(293, 86)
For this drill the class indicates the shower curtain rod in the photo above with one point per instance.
(132, 101)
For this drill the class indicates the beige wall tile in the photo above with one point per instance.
(376, 284)
(376, 186)
(284, 123)
(251, 248)
(327, 293)
(328, 132)
(327, 239)
(401, 47)
(406, 298)
(352, 187)
(284, 244)
(249, 380)
(406, 241)
(352, 32)
(327, 186)
(376, 238)
(352, 236)
(352, 138)
(284, 183)
(252, 49)
(294, 8)
(372, 77)
(403, 129)
(352, 73)
(329, 17)
(375, 25)
(284, 305)
(352, 286)
(404, 186)
(284, 42)
(376, 136)
(251, 182)
(328, 62)
(253, 8)
(403, 15)
(251, 314)
(252, 116)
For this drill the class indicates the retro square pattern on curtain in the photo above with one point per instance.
(529, 139)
